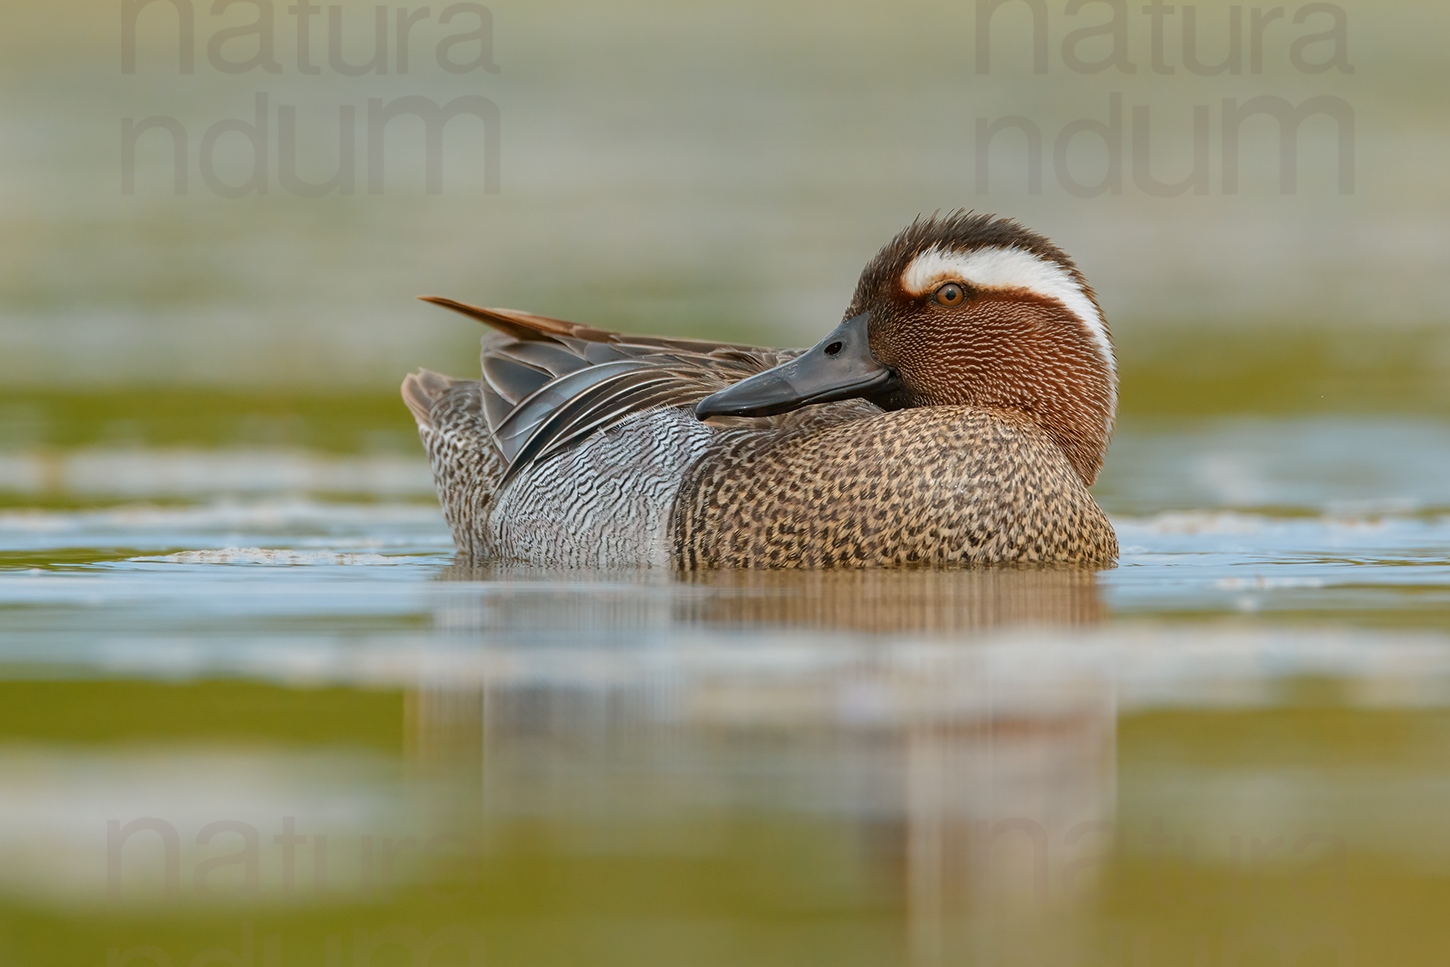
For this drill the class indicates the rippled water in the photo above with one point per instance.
(253, 714)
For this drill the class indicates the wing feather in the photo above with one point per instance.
(511, 380)
(539, 408)
(549, 383)
(596, 411)
(550, 358)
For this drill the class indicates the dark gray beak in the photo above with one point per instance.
(839, 367)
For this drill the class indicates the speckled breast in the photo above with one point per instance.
(927, 487)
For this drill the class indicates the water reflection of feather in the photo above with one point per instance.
(872, 601)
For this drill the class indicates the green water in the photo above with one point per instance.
(251, 714)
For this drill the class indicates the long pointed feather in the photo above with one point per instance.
(521, 325)
(549, 383)
(527, 325)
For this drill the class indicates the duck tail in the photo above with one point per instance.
(467, 466)
(420, 391)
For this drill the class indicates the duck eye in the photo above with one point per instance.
(950, 294)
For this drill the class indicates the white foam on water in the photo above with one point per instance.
(1263, 582)
(267, 555)
(165, 472)
(1342, 465)
(363, 523)
(1235, 522)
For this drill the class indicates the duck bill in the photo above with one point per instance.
(839, 367)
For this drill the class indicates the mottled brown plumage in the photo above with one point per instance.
(957, 417)
(928, 487)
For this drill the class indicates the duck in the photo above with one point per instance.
(956, 417)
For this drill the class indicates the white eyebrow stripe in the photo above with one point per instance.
(1012, 268)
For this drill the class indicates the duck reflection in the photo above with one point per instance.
(958, 779)
(871, 601)
(885, 602)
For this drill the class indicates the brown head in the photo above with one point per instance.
(962, 309)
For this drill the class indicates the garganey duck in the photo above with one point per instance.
(956, 417)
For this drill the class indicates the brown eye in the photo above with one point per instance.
(950, 294)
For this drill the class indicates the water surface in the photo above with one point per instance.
(252, 710)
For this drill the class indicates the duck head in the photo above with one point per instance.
(962, 309)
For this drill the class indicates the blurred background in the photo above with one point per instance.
(718, 169)
(250, 713)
